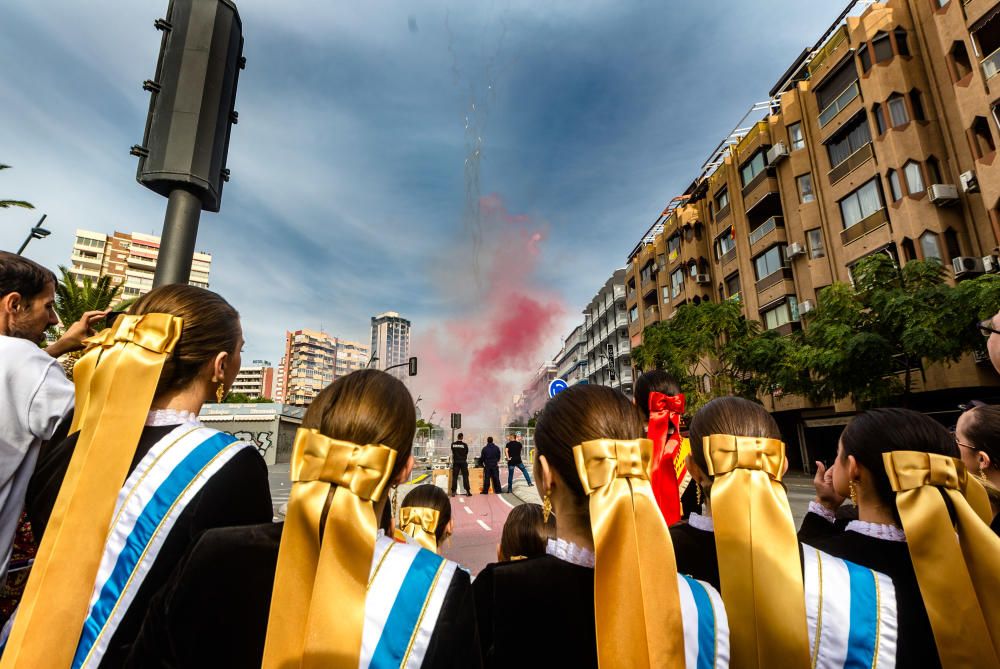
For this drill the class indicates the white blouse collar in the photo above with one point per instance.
(700, 522)
(876, 530)
(162, 417)
(570, 552)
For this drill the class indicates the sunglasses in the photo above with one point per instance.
(986, 328)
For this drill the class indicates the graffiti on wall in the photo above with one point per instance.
(261, 440)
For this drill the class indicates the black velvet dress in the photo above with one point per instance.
(214, 610)
(916, 647)
(537, 612)
(237, 494)
(694, 551)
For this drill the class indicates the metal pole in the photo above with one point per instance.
(180, 231)
(31, 234)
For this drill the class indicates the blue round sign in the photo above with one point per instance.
(556, 386)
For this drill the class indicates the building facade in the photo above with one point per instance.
(256, 381)
(391, 342)
(571, 361)
(881, 139)
(129, 259)
(313, 360)
(605, 331)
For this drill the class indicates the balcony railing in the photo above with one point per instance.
(864, 226)
(838, 105)
(729, 256)
(824, 52)
(619, 292)
(768, 226)
(991, 65)
(773, 279)
(652, 313)
(621, 321)
(851, 163)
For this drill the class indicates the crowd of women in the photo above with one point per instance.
(157, 547)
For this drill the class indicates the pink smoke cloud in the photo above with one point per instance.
(476, 361)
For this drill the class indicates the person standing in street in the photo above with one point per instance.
(491, 466)
(35, 395)
(460, 465)
(514, 448)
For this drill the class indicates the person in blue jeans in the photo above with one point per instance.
(514, 448)
(491, 466)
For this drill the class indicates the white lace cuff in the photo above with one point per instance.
(877, 530)
(822, 511)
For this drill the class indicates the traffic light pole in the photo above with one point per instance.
(180, 232)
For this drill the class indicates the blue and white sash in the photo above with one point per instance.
(706, 627)
(153, 497)
(851, 611)
(405, 593)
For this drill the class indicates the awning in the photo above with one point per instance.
(986, 18)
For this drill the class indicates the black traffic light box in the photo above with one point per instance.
(456, 421)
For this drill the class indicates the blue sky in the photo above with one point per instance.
(348, 189)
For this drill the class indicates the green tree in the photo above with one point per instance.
(73, 299)
(7, 204)
(865, 341)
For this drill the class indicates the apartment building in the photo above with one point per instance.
(129, 259)
(313, 360)
(571, 361)
(256, 380)
(605, 330)
(880, 139)
(391, 342)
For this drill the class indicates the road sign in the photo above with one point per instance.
(556, 386)
(456, 421)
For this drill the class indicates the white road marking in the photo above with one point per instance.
(467, 509)
(461, 500)
(500, 497)
(483, 525)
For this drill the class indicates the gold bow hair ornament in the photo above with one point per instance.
(957, 566)
(758, 551)
(318, 601)
(115, 382)
(420, 522)
(636, 600)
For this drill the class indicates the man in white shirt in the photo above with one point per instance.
(35, 394)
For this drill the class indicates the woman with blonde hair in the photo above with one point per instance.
(140, 464)
(606, 593)
(326, 588)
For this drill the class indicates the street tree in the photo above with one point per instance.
(7, 204)
(74, 299)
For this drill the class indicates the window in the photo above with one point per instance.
(646, 274)
(666, 294)
(752, 168)
(902, 46)
(676, 282)
(895, 188)
(933, 170)
(673, 247)
(851, 138)
(795, 136)
(942, 3)
(733, 285)
(633, 314)
(693, 270)
(882, 47)
(815, 239)
(722, 199)
(770, 261)
(951, 243)
(897, 110)
(784, 313)
(914, 178)
(879, 119)
(724, 243)
(861, 204)
(837, 91)
(909, 250)
(958, 59)
(805, 184)
(917, 105)
(929, 245)
(865, 58)
(982, 138)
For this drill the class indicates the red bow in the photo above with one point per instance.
(665, 411)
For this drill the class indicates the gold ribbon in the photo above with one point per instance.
(758, 550)
(115, 384)
(321, 581)
(420, 522)
(959, 577)
(638, 623)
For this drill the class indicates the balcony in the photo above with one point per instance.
(619, 292)
(838, 105)
(770, 231)
(851, 163)
(759, 189)
(723, 213)
(651, 314)
(991, 65)
(773, 279)
(621, 321)
(729, 256)
(648, 285)
(864, 226)
(824, 52)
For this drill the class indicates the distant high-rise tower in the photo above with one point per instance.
(391, 341)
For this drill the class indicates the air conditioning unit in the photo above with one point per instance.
(943, 194)
(805, 306)
(703, 279)
(970, 184)
(965, 265)
(991, 264)
(794, 249)
(776, 153)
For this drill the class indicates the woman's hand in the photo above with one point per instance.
(825, 493)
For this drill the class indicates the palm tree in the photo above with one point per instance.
(7, 204)
(74, 299)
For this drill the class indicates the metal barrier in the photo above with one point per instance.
(432, 446)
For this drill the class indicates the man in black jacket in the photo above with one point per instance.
(460, 465)
(491, 466)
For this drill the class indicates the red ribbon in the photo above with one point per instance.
(665, 411)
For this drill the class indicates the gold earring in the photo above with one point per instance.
(395, 500)
(854, 492)
(546, 509)
(220, 392)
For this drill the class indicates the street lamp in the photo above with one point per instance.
(37, 232)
